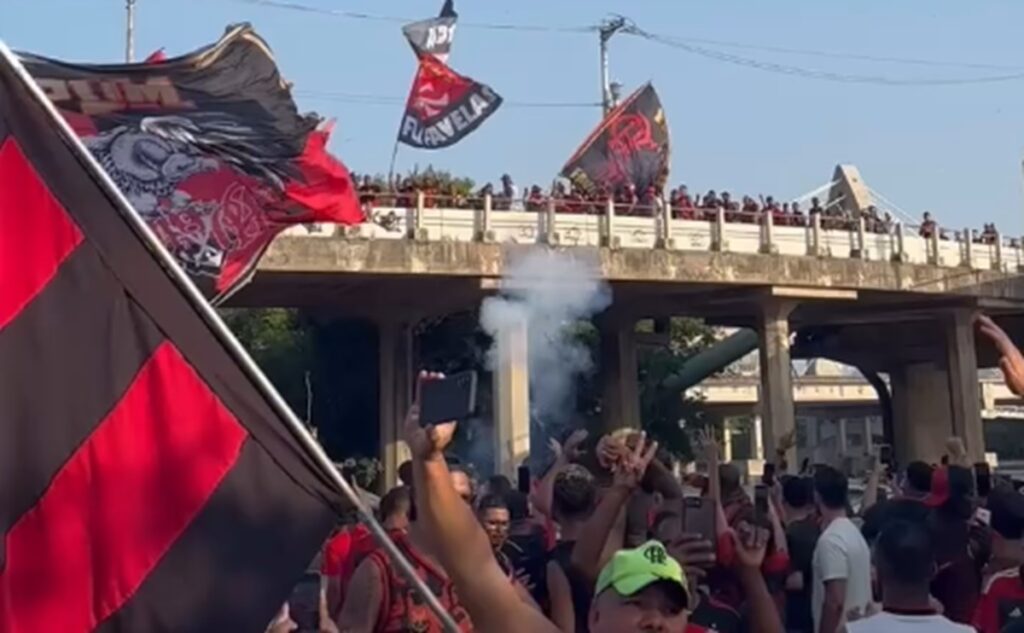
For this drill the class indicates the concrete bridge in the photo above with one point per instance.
(894, 303)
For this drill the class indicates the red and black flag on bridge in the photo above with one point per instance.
(146, 482)
(629, 147)
(209, 148)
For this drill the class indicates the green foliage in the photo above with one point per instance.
(667, 416)
(279, 341)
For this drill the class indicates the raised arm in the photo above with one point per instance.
(587, 554)
(1011, 361)
(458, 540)
(543, 496)
(709, 445)
(751, 544)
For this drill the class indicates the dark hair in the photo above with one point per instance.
(729, 478)
(574, 494)
(905, 553)
(798, 492)
(395, 501)
(518, 505)
(832, 487)
(1007, 508)
(405, 473)
(919, 476)
(491, 502)
(499, 485)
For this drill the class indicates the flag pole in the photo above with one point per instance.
(391, 171)
(226, 337)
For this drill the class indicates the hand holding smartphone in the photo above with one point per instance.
(448, 399)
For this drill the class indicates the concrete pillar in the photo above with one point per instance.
(776, 376)
(726, 441)
(396, 384)
(511, 380)
(757, 440)
(964, 391)
(619, 374)
(921, 412)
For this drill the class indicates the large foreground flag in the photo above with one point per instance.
(210, 149)
(146, 483)
(630, 146)
(444, 107)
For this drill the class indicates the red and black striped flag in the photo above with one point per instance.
(146, 482)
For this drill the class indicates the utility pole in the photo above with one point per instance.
(606, 31)
(129, 45)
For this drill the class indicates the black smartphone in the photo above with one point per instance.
(983, 478)
(448, 399)
(885, 454)
(524, 479)
(761, 505)
(768, 476)
(699, 517)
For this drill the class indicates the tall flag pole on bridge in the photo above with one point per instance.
(151, 479)
(443, 106)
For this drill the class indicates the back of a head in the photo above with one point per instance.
(729, 478)
(1007, 513)
(919, 477)
(499, 485)
(905, 554)
(575, 494)
(405, 473)
(831, 487)
(396, 501)
(798, 492)
(518, 505)
(490, 502)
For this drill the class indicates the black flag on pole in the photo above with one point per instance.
(630, 146)
(147, 483)
(434, 36)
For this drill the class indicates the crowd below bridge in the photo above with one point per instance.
(618, 536)
(566, 197)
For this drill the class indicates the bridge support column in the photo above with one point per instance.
(777, 414)
(511, 399)
(396, 384)
(620, 383)
(932, 401)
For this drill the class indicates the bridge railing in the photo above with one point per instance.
(490, 220)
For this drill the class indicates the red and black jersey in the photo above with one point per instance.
(1001, 602)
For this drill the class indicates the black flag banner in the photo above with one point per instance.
(151, 480)
(444, 107)
(434, 36)
(630, 146)
(210, 149)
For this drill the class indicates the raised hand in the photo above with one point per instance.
(629, 470)
(694, 553)
(1011, 360)
(572, 448)
(426, 442)
(751, 545)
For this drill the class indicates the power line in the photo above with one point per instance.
(372, 99)
(355, 15)
(812, 73)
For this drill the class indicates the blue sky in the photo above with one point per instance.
(954, 150)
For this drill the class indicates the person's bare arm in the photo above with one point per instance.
(832, 607)
(710, 447)
(587, 553)
(563, 612)
(362, 600)
(458, 541)
(543, 497)
(874, 482)
(751, 544)
(662, 480)
(1011, 361)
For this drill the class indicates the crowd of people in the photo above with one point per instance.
(611, 539)
(628, 201)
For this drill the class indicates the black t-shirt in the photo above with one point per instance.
(801, 538)
(582, 591)
(528, 553)
(885, 512)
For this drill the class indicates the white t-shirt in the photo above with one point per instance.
(894, 623)
(842, 554)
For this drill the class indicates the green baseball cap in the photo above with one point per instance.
(632, 570)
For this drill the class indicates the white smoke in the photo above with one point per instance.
(549, 291)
